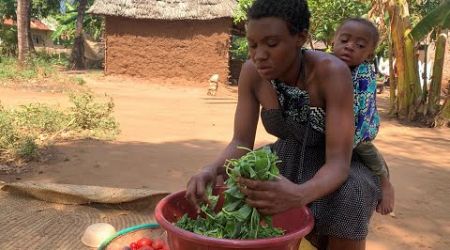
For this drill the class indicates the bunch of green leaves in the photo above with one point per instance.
(236, 219)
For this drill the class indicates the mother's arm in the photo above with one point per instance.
(245, 123)
(335, 88)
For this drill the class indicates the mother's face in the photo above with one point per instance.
(271, 47)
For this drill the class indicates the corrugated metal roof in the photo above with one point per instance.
(36, 24)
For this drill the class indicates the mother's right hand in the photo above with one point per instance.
(195, 191)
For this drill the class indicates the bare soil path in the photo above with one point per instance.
(170, 131)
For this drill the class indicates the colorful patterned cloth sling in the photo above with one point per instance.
(367, 120)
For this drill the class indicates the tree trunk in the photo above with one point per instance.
(398, 43)
(22, 30)
(443, 116)
(30, 37)
(392, 81)
(414, 91)
(425, 78)
(78, 60)
(408, 86)
(438, 66)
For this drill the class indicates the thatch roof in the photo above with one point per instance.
(165, 9)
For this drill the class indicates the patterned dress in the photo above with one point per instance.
(367, 119)
(300, 128)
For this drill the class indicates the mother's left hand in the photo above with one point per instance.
(272, 197)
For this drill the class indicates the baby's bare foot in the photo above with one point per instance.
(386, 204)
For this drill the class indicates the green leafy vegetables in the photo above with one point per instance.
(236, 219)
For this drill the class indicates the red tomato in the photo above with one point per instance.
(144, 242)
(145, 248)
(134, 246)
(158, 244)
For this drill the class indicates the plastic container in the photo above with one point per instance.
(96, 233)
(297, 223)
(132, 234)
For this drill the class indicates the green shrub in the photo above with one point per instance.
(78, 80)
(90, 115)
(39, 118)
(27, 128)
(8, 37)
(13, 144)
(27, 149)
(39, 65)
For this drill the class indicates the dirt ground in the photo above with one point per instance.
(170, 130)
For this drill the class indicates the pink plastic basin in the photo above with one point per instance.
(297, 223)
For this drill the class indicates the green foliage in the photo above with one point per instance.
(326, 16)
(237, 220)
(8, 8)
(240, 14)
(239, 48)
(8, 40)
(8, 35)
(80, 81)
(12, 144)
(92, 25)
(26, 129)
(9, 70)
(437, 18)
(40, 65)
(37, 118)
(420, 8)
(93, 116)
(50, 59)
(44, 8)
(65, 31)
(39, 8)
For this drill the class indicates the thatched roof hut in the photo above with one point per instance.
(167, 38)
(165, 10)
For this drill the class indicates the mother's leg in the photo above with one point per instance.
(344, 216)
(344, 244)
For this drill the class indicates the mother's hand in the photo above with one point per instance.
(196, 187)
(272, 197)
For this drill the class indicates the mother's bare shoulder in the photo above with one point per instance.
(323, 64)
(249, 76)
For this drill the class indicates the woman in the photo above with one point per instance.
(295, 89)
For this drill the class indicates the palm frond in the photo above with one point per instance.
(439, 17)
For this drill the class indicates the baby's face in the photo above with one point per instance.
(353, 43)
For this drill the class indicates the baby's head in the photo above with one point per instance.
(355, 41)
